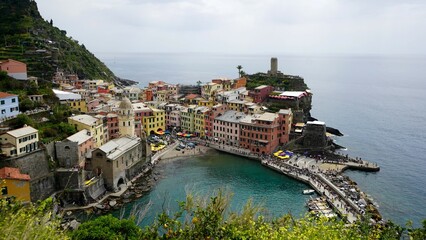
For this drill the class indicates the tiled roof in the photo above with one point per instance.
(5, 94)
(13, 173)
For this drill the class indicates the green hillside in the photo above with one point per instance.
(25, 36)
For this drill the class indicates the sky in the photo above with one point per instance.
(243, 26)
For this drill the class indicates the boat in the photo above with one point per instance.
(308, 191)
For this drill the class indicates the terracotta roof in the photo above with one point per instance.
(191, 96)
(5, 94)
(13, 173)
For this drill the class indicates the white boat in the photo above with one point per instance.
(308, 191)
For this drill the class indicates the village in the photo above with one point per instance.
(122, 131)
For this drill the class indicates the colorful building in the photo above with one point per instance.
(19, 141)
(200, 114)
(126, 118)
(85, 144)
(172, 115)
(15, 69)
(92, 124)
(14, 185)
(210, 90)
(261, 93)
(119, 160)
(286, 121)
(260, 132)
(78, 105)
(187, 118)
(210, 115)
(9, 105)
(112, 123)
(226, 128)
(141, 111)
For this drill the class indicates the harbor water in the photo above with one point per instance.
(376, 101)
(201, 176)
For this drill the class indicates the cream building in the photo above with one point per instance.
(126, 118)
(92, 124)
(19, 141)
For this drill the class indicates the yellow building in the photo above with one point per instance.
(206, 103)
(162, 96)
(199, 122)
(19, 141)
(209, 90)
(14, 184)
(78, 105)
(92, 124)
(187, 118)
(237, 105)
(156, 122)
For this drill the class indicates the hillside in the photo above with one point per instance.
(27, 37)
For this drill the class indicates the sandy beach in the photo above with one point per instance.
(173, 154)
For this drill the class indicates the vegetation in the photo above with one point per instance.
(107, 228)
(27, 37)
(29, 222)
(198, 218)
(280, 82)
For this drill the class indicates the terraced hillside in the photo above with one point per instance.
(27, 37)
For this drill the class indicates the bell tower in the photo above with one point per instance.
(126, 118)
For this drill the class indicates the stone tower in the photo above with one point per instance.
(126, 118)
(274, 66)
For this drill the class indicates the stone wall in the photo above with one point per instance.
(36, 164)
(67, 154)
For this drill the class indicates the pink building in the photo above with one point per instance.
(141, 110)
(92, 104)
(261, 93)
(226, 128)
(215, 111)
(172, 115)
(260, 132)
(84, 142)
(15, 69)
(113, 128)
(286, 120)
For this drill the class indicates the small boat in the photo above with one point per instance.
(308, 191)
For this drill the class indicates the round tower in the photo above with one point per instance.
(126, 118)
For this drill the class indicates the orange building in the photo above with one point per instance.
(240, 82)
(15, 69)
(14, 184)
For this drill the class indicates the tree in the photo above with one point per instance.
(21, 120)
(107, 227)
(239, 67)
(198, 83)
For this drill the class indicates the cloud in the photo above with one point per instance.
(244, 26)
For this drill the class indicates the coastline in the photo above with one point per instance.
(310, 171)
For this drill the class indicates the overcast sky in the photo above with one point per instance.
(243, 26)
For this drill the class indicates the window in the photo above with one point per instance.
(3, 191)
(2, 102)
(13, 100)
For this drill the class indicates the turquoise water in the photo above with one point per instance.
(245, 179)
(378, 102)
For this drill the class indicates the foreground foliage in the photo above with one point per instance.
(198, 218)
(29, 222)
(210, 218)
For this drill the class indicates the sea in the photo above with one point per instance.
(377, 101)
